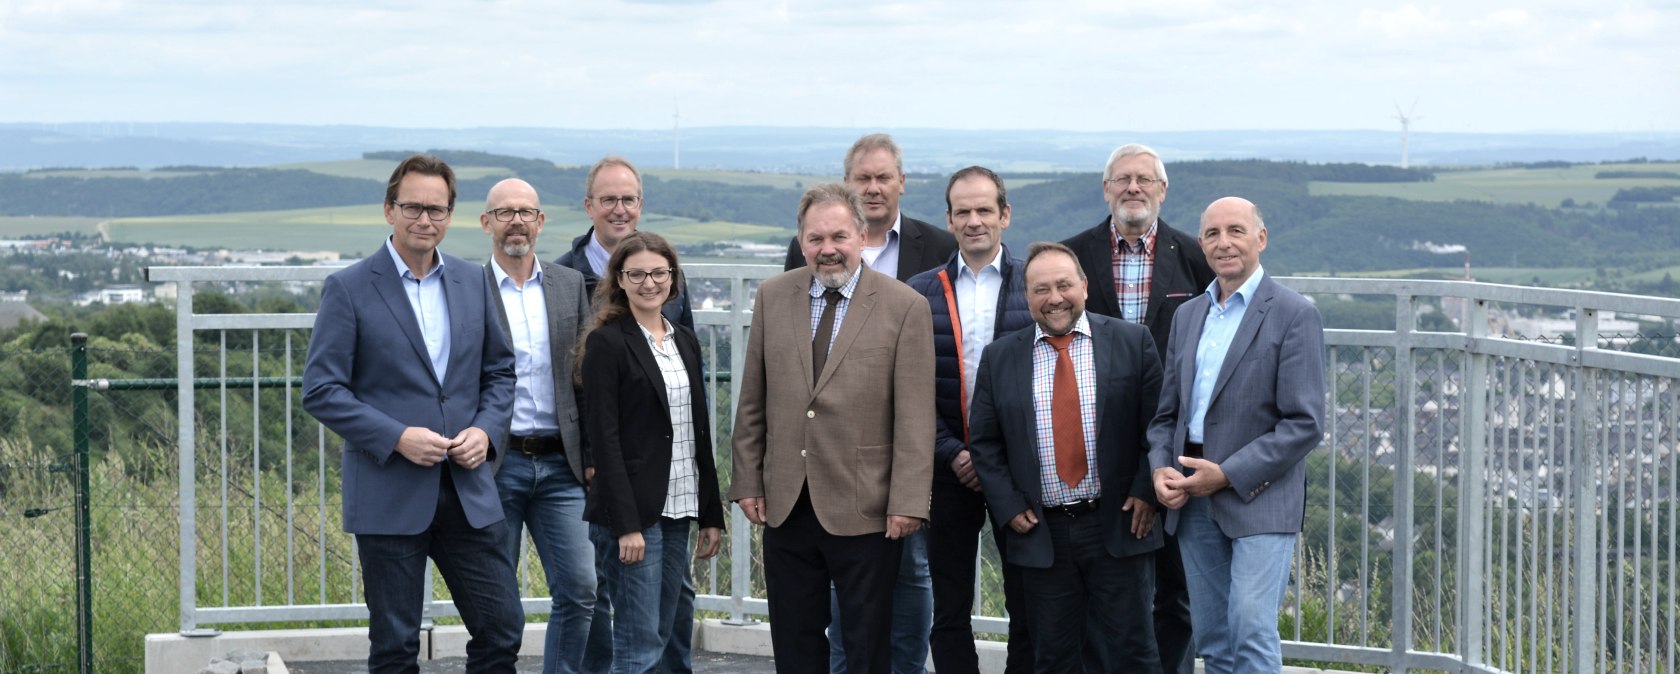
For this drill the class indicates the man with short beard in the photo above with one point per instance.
(833, 441)
(1141, 270)
(542, 311)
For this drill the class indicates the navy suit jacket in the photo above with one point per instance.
(1264, 414)
(368, 378)
(1004, 435)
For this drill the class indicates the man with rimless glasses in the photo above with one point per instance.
(542, 310)
(612, 198)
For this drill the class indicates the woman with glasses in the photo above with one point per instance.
(650, 436)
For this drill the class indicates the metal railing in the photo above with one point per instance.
(1481, 502)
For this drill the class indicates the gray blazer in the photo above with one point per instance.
(568, 310)
(1004, 435)
(1264, 414)
(368, 377)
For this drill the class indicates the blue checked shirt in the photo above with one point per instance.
(1043, 383)
(817, 303)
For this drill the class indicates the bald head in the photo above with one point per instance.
(1232, 236)
(513, 218)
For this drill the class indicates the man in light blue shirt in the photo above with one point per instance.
(541, 477)
(1240, 408)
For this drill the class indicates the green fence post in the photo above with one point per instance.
(84, 519)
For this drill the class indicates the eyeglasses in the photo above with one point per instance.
(506, 214)
(609, 203)
(636, 276)
(1143, 182)
(413, 211)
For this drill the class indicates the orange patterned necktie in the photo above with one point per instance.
(1066, 424)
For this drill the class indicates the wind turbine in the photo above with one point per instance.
(1406, 119)
(676, 139)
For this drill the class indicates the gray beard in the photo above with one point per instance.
(516, 249)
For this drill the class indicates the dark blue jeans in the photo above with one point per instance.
(474, 564)
(540, 493)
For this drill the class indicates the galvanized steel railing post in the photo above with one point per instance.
(1405, 402)
(1586, 500)
(1472, 453)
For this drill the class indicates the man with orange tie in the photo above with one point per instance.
(1058, 439)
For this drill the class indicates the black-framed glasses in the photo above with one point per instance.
(1144, 182)
(507, 214)
(609, 203)
(413, 211)
(637, 276)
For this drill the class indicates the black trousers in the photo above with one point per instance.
(957, 515)
(1172, 610)
(800, 560)
(1091, 610)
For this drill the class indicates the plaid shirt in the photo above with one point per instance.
(817, 304)
(682, 488)
(1134, 272)
(1043, 387)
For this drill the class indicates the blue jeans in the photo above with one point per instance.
(474, 564)
(598, 653)
(644, 594)
(912, 619)
(1236, 590)
(542, 494)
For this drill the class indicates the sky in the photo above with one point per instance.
(1477, 66)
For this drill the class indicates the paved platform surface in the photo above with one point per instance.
(704, 663)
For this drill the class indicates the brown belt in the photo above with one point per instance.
(536, 445)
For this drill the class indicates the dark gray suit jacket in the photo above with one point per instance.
(921, 247)
(568, 311)
(1003, 433)
(368, 377)
(1263, 416)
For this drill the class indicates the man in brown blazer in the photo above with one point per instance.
(834, 437)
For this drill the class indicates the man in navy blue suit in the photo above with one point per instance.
(408, 365)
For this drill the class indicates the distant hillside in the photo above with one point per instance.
(1323, 218)
(795, 149)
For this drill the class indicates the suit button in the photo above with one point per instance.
(443, 399)
(803, 453)
(810, 414)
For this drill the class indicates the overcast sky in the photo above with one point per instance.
(1172, 65)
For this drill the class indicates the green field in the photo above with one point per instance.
(358, 229)
(17, 227)
(1546, 187)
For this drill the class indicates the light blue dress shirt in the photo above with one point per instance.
(431, 310)
(977, 299)
(533, 389)
(597, 254)
(884, 259)
(1218, 329)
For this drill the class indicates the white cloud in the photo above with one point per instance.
(1084, 64)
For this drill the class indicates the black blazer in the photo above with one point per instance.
(1181, 273)
(1003, 436)
(921, 247)
(629, 429)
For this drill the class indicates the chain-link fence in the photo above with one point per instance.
(87, 563)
